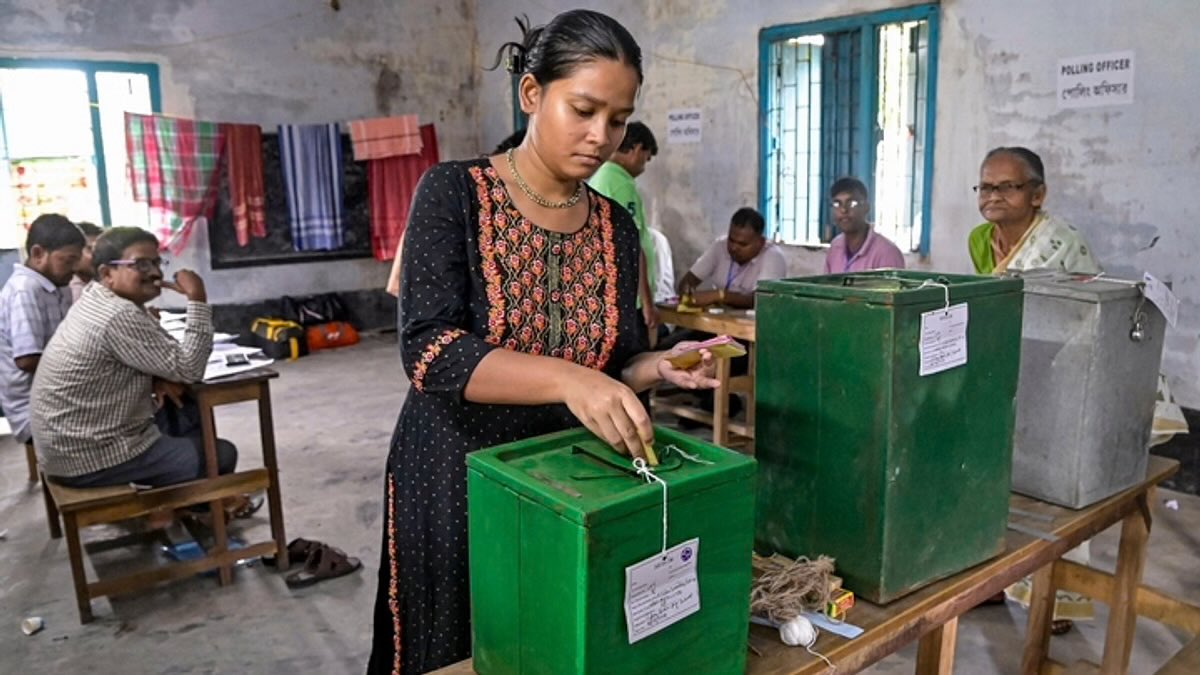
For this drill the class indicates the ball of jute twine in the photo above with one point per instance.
(783, 587)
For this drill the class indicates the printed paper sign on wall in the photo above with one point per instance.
(1091, 81)
(684, 125)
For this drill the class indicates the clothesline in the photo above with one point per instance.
(174, 166)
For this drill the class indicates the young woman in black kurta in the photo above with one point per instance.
(511, 328)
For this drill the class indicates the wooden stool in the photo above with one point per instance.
(81, 507)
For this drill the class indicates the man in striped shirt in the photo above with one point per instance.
(110, 366)
(32, 304)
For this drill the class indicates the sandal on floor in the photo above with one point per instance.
(324, 562)
(1061, 626)
(297, 552)
(249, 506)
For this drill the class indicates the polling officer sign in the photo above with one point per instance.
(685, 125)
(1097, 80)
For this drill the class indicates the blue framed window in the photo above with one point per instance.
(851, 96)
(62, 140)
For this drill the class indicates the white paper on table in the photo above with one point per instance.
(218, 367)
(943, 339)
(662, 590)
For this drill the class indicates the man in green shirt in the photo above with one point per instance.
(615, 180)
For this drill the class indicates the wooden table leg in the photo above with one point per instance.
(208, 430)
(721, 405)
(1122, 612)
(1041, 614)
(266, 425)
(935, 652)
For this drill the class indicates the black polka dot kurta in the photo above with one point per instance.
(478, 276)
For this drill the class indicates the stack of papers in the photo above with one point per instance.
(227, 358)
(175, 323)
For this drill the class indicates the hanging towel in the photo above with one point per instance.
(311, 156)
(385, 137)
(243, 152)
(173, 169)
(391, 184)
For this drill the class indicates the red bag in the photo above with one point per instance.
(330, 335)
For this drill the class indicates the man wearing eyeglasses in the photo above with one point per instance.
(858, 247)
(110, 366)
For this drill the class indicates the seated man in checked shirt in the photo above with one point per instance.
(110, 366)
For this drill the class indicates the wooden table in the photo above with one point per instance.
(931, 614)
(252, 385)
(738, 323)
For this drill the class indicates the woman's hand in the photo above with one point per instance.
(699, 376)
(608, 409)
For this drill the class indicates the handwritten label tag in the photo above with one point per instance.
(1162, 297)
(662, 590)
(943, 339)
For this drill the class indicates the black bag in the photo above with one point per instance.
(314, 309)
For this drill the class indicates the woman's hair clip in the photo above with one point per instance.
(515, 63)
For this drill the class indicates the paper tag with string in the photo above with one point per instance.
(1162, 297)
(663, 588)
(943, 342)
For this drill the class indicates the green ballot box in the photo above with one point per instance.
(885, 411)
(569, 570)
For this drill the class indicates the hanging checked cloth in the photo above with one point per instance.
(383, 137)
(173, 169)
(311, 156)
(391, 184)
(243, 153)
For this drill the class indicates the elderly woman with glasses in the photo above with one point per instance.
(1019, 234)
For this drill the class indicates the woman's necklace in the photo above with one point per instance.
(535, 197)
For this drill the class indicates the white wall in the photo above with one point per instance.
(1124, 175)
(275, 62)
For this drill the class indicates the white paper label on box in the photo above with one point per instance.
(943, 339)
(1162, 297)
(662, 590)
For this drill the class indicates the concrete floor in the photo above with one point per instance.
(334, 414)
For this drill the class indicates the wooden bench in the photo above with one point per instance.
(81, 507)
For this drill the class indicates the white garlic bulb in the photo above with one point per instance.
(798, 632)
